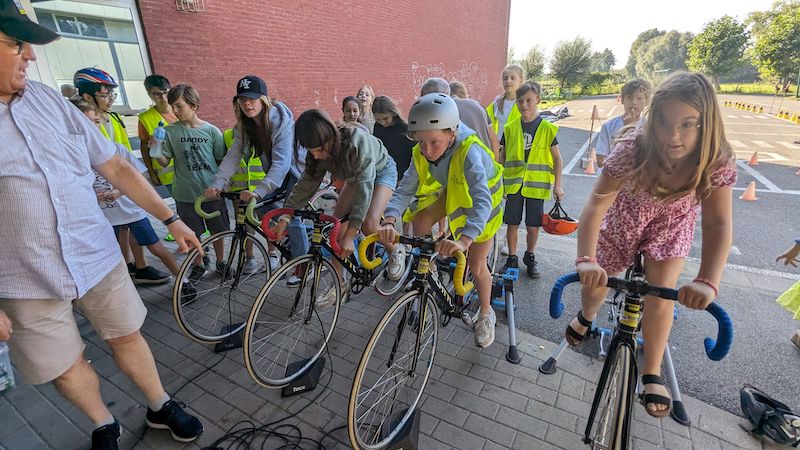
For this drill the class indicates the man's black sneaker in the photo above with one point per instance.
(150, 275)
(131, 269)
(533, 267)
(106, 437)
(512, 262)
(183, 426)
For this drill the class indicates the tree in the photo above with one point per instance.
(510, 56)
(718, 49)
(533, 63)
(571, 62)
(662, 55)
(776, 50)
(643, 37)
(603, 61)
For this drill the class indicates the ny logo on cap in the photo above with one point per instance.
(244, 84)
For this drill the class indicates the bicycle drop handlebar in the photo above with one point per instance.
(249, 212)
(715, 349)
(460, 287)
(316, 216)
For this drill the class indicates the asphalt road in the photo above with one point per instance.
(762, 354)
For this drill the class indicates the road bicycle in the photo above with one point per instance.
(608, 425)
(394, 369)
(225, 289)
(288, 328)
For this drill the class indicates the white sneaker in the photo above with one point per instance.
(250, 265)
(484, 329)
(329, 297)
(397, 263)
(274, 261)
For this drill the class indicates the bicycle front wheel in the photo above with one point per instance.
(393, 371)
(290, 325)
(613, 399)
(211, 300)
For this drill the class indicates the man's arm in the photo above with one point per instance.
(123, 176)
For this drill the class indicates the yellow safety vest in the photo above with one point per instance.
(120, 135)
(150, 120)
(248, 174)
(512, 115)
(458, 200)
(534, 176)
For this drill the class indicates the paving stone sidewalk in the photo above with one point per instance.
(475, 399)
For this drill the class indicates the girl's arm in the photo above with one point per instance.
(404, 193)
(306, 187)
(717, 223)
(603, 195)
(558, 164)
(282, 149)
(229, 164)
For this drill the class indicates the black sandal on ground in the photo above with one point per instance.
(655, 399)
(573, 337)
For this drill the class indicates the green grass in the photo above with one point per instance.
(753, 88)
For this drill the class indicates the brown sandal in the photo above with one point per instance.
(574, 338)
(655, 399)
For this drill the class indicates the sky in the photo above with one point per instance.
(613, 24)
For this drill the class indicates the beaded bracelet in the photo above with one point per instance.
(708, 283)
(584, 259)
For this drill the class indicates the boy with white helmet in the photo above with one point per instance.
(454, 175)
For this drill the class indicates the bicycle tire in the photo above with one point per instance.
(406, 393)
(281, 324)
(614, 397)
(324, 199)
(219, 303)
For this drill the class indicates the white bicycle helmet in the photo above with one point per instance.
(434, 111)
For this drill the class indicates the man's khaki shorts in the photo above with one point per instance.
(46, 341)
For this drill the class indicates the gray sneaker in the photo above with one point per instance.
(397, 263)
(484, 330)
(250, 265)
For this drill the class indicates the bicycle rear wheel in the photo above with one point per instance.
(613, 399)
(211, 306)
(386, 390)
(289, 326)
(324, 199)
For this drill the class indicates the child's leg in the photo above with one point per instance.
(193, 221)
(511, 238)
(380, 198)
(423, 222)
(657, 321)
(161, 252)
(531, 238)
(591, 302)
(478, 252)
(125, 249)
(343, 206)
(512, 217)
(218, 225)
(534, 209)
(138, 252)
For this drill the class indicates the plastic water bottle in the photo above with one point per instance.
(159, 135)
(6, 373)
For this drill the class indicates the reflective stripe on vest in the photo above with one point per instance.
(457, 200)
(512, 115)
(247, 175)
(150, 120)
(534, 176)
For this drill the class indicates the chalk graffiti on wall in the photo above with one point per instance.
(471, 74)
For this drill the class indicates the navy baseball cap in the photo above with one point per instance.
(251, 86)
(14, 22)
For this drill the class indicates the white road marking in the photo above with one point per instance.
(762, 144)
(731, 116)
(575, 159)
(758, 176)
(580, 110)
(746, 117)
(736, 143)
(790, 145)
(611, 111)
(763, 117)
(762, 156)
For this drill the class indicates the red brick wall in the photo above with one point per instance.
(314, 53)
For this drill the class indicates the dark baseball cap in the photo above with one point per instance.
(251, 87)
(14, 22)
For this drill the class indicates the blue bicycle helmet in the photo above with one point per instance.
(88, 78)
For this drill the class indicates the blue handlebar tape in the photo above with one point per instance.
(716, 350)
(556, 307)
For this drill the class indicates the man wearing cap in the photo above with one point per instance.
(59, 251)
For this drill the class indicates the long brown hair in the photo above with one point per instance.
(713, 149)
(315, 128)
(386, 105)
(516, 68)
(255, 135)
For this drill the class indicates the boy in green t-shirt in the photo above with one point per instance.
(197, 147)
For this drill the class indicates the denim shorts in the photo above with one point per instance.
(388, 176)
(141, 230)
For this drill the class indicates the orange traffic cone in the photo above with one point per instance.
(589, 170)
(753, 159)
(749, 193)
